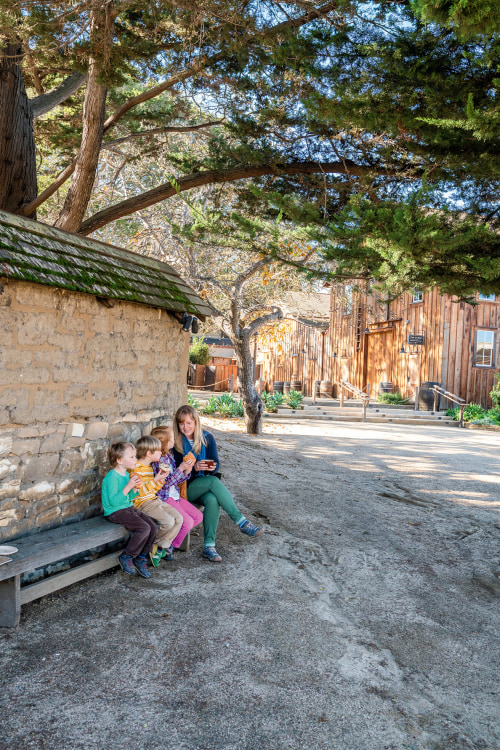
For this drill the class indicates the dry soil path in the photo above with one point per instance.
(366, 618)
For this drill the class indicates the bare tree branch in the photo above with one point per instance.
(42, 104)
(162, 192)
(159, 131)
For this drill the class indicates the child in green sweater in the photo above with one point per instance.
(118, 491)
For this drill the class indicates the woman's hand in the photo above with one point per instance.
(205, 465)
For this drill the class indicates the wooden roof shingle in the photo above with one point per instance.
(31, 251)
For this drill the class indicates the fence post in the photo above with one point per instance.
(436, 397)
(461, 422)
(365, 404)
(416, 398)
(341, 395)
(231, 383)
(314, 392)
(368, 389)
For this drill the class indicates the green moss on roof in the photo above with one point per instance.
(31, 251)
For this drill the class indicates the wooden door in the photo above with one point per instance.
(379, 359)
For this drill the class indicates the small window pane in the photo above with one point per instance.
(484, 348)
(417, 296)
(487, 297)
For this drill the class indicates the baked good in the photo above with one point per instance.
(189, 457)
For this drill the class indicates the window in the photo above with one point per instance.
(417, 296)
(484, 348)
(348, 291)
(487, 297)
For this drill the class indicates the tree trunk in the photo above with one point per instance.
(82, 180)
(252, 402)
(18, 183)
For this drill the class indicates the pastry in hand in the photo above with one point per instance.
(189, 457)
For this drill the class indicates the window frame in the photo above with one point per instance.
(415, 293)
(491, 365)
(486, 297)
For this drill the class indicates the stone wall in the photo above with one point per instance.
(75, 375)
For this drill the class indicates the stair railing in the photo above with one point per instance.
(350, 388)
(462, 403)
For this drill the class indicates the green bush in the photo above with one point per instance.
(494, 414)
(225, 405)
(193, 402)
(495, 393)
(472, 412)
(294, 399)
(391, 398)
(199, 352)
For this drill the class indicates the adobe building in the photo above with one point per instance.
(92, 350)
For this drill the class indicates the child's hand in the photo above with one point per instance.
(134, 481)
(186, 466)
(163, 472)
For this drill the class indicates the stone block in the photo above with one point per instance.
(68, 485)
(15, 358)
(49, 516)
(130, 417)
(74, 443)
(76, 429)
(143, 391)
(38, 467)
(73, 322)
(97, 431)
(49, 357)
(37, 492)
(52, 444)
(41, 506)
(28, 432)
(74, 392)
(35, 330)
(12, 396)
(42, 413)
(5, 444)
(34, 295)
(74, 507)
(117, 431)
(100, 323)
(30, 445)
(87, 304)
(30, 375)
(7, 517)
(122, 325)
(8, 468)
(65, 341)
(102, 391)
(9, 489)
(47, 397)
(71, 462)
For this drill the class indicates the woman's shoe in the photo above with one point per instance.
(210, 553)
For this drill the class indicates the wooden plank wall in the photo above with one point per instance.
(446, 357)
(277, 363)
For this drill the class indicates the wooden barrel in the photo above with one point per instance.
(277, 386)
(325, 388)
(286, 386)
(295, 385)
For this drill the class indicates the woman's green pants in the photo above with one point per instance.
(213, 495)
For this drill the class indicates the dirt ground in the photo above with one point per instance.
(365, 618)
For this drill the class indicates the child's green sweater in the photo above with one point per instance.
(112, 496)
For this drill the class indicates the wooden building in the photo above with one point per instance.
(414, 339)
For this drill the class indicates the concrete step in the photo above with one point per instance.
(291, 415)
(381, 411)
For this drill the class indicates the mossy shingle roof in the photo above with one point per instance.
(31, 251)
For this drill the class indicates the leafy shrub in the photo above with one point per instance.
(199, 352)
(391, 398)
(472, 412)
(193, 402)
(495, 393)
(494, 414)
(294, 399)
(225, 405)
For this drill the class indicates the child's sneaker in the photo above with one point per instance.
(168, 553)
(155, 555)
(126, 564)
(210, 553)
(250, 529)
(141, 566)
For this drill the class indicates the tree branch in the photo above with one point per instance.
(254, 326)
(197, 179)
(159, 131)
(42, 104)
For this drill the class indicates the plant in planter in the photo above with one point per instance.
(199, 351)
(295, 399)
(391, 398)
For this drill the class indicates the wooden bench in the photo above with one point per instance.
(51, 546)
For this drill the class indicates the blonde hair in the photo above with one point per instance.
(147, 443)
(199, 440)
(164, 433)
(116, 451)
